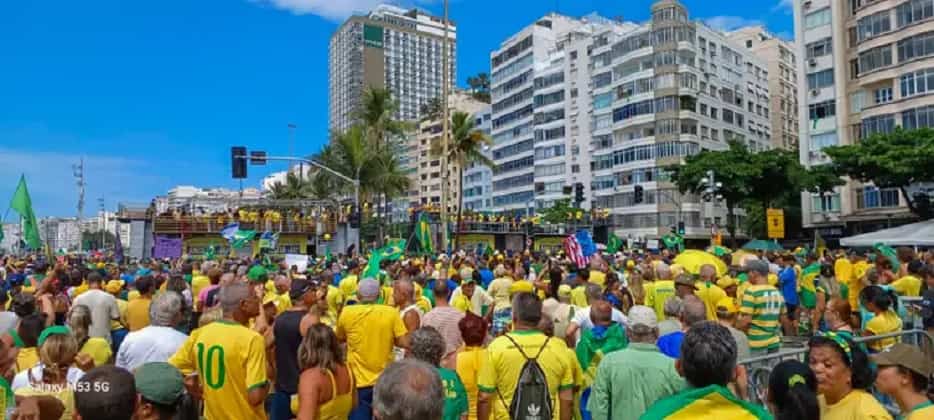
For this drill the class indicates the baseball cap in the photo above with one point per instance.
(564, 290)
(906, 356)
(685, 280)
(300, 286)
(159, 382)
(257, 273)
(521, 286)
(368, 289)
(643, 315)
(757, 266)
(114, 286)
(727, 305)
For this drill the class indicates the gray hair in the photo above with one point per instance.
(693, 310)
(662, 272)
(231, 295)
(672, 306)
(527, 309)
(708, 271)
(410, 389)
(165, 308)
(593, 292)
(79, 320)
(427, 345)
(708, 355)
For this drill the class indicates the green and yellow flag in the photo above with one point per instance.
(423, 233)
(695, 403)
(23, 205)
(613, 244)
(393, 250)
(807, 285)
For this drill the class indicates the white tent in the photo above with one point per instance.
(915, 234)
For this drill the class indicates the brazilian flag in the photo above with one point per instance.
(393, 250)
(613, 244)
(423, 233)
(806, 283)
(695, 403)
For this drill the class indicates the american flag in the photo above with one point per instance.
(573, 249)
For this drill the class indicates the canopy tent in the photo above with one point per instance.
(915, 234)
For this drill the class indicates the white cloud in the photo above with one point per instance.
(730, 23)
(784, 6)
(335, 10)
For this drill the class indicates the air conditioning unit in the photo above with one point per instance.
(812, 62)
(806, 5)
(815, 92)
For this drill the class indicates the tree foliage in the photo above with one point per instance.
(893, 160)
(480, 86)
(558, 213)
(432, 109)
(293, 188)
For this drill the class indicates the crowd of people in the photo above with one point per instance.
(501, 335)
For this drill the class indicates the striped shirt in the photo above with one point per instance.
(764, 303)
(445, 320)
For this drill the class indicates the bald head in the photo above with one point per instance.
(708, 272)
(692, 310)
(231, 295)
(403, 291)
(601, 312)
(662, 272)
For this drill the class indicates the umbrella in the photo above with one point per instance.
(719, 250)
(693, 259)
(762, 245)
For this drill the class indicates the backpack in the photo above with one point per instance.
(531, 399)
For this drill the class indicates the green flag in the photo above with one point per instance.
(393, 250)
(613, 244)
(372, 266)
(327, 253)
(423, 233)
(241, 237)
(23, 205)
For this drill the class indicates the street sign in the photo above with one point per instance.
(775, 219)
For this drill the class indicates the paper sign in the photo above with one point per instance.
(298, 260)
(651, 243)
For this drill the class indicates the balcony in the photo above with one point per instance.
(206, 225)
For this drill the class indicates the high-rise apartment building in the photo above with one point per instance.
(780, 56)
(392, 48)
(611, 105)
(428, 178)
(868, 68)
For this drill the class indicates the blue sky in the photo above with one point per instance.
(153, 94)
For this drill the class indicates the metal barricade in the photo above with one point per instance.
(759, 368)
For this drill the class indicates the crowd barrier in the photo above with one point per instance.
(759, 368)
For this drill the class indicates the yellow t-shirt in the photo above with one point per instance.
(598, 277)
(132, 295)
(499, 291)
(65, 394)
(335, 300)
(857, 405)
(709, 293)
(461, 303)
(348, 286)
(843, 270)
(137, 313)
(922, 412)
(121, 306)
(500, 374)
(909, 286)
(99, 350)
(230, 360)
(764, 305)
(26, 358)
(199, 282)
(655, 299)
(856, 283)
(469, 362)
(579, 296)
(369, 330)
(884, 323)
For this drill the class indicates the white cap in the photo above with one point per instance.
(643, 315)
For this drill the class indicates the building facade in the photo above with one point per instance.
(781, 58)
(478, 178)
(867, 65)
(392, 48)
(428, 178)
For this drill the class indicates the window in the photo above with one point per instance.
(883, 95)
(880, 124)
(818, 18)
(873, 197)
(873, 25)
(918, 117)
(917, 46)
(913, 11)
(876, 58)
(512, 149)
(513, 51)
(917, 83)
(825, 203)
(820, 141)
(633, 110)
(549, 151)
(603, 100)
(820, 79)
(549, 134)
(511, 69)
(514, 165)
(549, 80)
(513, 116)
(602, 80)
(820, 48)
(549, 170)
(548, 98)
(513, 182)
(822, 110)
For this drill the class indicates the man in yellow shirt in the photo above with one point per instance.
(507, 355)
(229, 358)
(370, 331)
(708, 291)
(137, 310)
(910, 285)
(348, 284)
(663, 289)
(199, 277)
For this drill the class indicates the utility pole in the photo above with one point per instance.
(78, 172)
(301, 167)
(445, 120)
(102, 220)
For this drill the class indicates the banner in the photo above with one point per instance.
(298, 260)
(165, 247)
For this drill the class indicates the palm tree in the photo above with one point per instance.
(465, 147)
(294, 188)
(377, 115)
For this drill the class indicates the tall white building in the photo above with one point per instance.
(868, 67)
(478, 178)
(197, 200)
(392, 48)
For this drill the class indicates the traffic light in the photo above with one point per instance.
(238, 162)
(637, 194)
(354, 218)
(681, 228)
(579, 193)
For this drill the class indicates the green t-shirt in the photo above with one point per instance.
(6, 396)
(455, 396)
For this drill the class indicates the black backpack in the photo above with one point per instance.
(531, 399)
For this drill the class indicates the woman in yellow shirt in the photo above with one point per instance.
(843, 376)
(326, 389)
(471, 358)
(881, 304)
(96, 348)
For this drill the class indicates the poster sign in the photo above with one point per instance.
(776, 223)
(298, 260)
(651, 243)
(166, 247)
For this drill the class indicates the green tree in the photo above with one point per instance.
(558, 213)
(480, 86)
(294, 188)
(92, 240)
(465, 147)
(377, 116)
(890, 160)
(431, 110)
